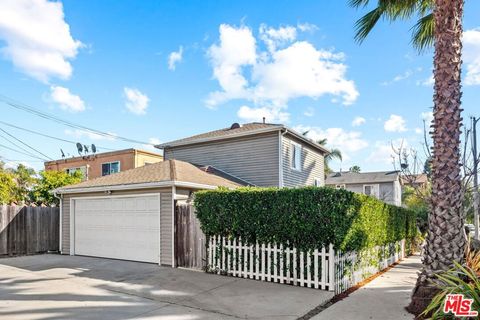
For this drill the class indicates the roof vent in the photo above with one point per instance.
(235, 126)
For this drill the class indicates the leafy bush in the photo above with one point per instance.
(307, 218)
(459, 280)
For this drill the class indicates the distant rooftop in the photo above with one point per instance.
(361, 177)
(237, 130)
(103, 154)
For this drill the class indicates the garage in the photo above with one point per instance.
(130, 215)
(119, 227)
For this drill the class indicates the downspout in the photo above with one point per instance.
(59, 220)
(280, 157)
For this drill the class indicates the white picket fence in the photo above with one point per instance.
(320, 269)
(273, 263)
(353, 267)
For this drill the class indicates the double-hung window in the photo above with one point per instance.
(110, 167)
(296, 156)
(371, 190)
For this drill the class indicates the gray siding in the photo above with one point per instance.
(254, 158)
(389, 192)
(165, 219)
(312, 165)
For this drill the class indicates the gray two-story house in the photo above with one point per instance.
(261, 154)
(384, 185)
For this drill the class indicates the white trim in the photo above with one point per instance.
(135, 186)
(160, 229)
(174, 191)
(60, 222)
(280, 159)
(110, 162)
(72, 226)
(72, 214)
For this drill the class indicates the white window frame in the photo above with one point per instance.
(375, 190)
(296, 162)
(110, 162)
(341, 186)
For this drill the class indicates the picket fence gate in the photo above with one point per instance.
(323, 268)
(273, 263)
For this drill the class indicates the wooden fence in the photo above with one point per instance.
(320, 269)
(28, 230)
(190, 243)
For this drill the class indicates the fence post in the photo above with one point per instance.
(331, 268)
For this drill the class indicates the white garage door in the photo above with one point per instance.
(118, 227)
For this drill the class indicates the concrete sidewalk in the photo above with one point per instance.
(384, 298)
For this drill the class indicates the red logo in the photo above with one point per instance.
(459, 306)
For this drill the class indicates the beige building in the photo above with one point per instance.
(102, 164)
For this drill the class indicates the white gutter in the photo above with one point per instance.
(147, 185)
(59, 220)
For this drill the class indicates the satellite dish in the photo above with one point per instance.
(235, 126)
(79, 148)
(85, 148)
(63, 154)
(93, 148)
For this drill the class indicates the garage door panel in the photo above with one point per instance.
(118, 227)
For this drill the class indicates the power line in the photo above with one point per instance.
(25, 107)
(46, 135)
(26, 144)
(16, 145)
(24, 153)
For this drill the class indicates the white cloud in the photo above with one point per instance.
(407, 74)
(37, 38)
(418, 130)
(307, 27)
(77, 133)
(309, 112)
(395, 124)
(289, 69)
(427, 117)
(471, 56)
(152, 141)
(67, 100)
(174, 58)
(136, 102)
(271, 115)
(347, 141)
(358, 121)
(382, 153)
(277, 37)
(426, 82)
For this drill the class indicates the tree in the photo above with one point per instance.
(50, 180)
(7, 187)
(445, 242)
(355, 169)
(25, 179)
(334, 154)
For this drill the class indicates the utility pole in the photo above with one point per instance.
(476, 198)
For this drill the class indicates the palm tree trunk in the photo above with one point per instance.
(446, 240)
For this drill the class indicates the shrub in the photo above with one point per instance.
(307, 218)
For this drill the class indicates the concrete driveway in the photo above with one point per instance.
(66, 287)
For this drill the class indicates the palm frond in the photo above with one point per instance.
(422, 33)
(365, 24)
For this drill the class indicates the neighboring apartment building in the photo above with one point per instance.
(102, 164)
(384, 185)
(260, 154)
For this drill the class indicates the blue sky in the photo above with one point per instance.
(156, 71)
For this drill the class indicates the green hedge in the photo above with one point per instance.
(306, 217)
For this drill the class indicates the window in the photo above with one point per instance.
(296, 156)
(340, 186)
(110, 167)
(370, 190)
(318, 182)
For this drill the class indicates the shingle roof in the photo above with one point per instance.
(362, 177)
(170, 170)
(224, 133)
(240, 130)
